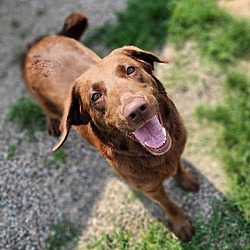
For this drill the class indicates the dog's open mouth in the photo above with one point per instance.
(153, 136)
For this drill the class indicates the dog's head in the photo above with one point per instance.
(121, 93)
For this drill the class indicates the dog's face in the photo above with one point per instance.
(120, 93)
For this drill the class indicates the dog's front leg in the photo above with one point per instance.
(187, 180)
(181, 226)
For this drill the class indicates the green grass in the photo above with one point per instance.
(155, 238)
(59, 157)
(142, 24)
(226, 229)
(40, 12)
(13, 148)
(61, 234)
(148, 25)
(218, 35)
(11, 151)
(15, 23)
(27, 116)
(234, 142)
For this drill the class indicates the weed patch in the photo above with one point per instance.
(226, 229)
(27, 116)
(11, 151)
(59, 157)
(155, 238)
(62, 234)
(40, 12)
(15, 23)
(117, 239)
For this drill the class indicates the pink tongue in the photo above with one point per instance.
(151, 134)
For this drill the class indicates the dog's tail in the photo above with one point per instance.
(74, 26)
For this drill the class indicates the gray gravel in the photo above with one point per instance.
(33, 196)
(84, 190)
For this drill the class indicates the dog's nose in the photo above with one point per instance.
(135, 109)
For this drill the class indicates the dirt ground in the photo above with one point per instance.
(238, 8)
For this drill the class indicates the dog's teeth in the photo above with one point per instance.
(164, 132)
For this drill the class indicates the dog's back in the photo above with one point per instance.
(53, 63)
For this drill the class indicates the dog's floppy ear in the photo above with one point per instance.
(146, 57)
(74, 114)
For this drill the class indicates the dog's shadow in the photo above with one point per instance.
(94, 172)
(199, 204)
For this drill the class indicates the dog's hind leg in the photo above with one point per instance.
(51, 112)
(52, 126)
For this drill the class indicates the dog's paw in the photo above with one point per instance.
(185, 231)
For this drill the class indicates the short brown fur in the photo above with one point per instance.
(98, 105)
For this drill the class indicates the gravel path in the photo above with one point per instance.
(84, 190)
(34, 195)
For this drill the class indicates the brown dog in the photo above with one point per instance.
(118, 106)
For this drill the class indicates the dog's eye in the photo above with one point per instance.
(96, 96)
(130, 70)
